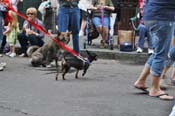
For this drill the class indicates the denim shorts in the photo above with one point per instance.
(97, 21)
(161, 32)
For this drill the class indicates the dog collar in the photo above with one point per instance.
(87, 60)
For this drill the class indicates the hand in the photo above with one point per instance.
(29, 32)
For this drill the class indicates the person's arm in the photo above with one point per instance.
(7, 29)
(109, 8)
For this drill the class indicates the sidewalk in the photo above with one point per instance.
(115, 54)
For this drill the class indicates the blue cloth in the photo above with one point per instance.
(161, 32)
(24, 41)
(97, 22)
(144, 32)
(159, 10)
(70, 16)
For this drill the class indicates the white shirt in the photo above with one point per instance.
(84, 4)
(14, 4)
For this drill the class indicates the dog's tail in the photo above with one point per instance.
(31, 49)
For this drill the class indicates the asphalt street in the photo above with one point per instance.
(106, 90)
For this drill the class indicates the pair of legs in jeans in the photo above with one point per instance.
(25, 41)
(143, 32)
(70, 17)
(161, 32)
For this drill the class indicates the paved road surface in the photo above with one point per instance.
(106, 90)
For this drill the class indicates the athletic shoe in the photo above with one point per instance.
(150, 51)
(8, 53)
(3, 64)
(12, 55)
(139, 50)
(81, 33)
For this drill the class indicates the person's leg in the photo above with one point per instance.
(161, 33)
(75, 24)
(140, 82)
(63, 19)
(142, 33)
(150, 44)
(83, 22)
(97, 22)
(105, 29)
(23, 42)
(168, 64)
(173, 75)
(163, 78)
(34, 40)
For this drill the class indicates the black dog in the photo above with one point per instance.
(71, 61)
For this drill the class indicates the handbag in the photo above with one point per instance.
(92, 31)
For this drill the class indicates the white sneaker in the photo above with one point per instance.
(8, 53)
(150, 51)
(81, 33)
(3, 64)
(1, 55)
(12, 55)
(1, 68)
(139, 50)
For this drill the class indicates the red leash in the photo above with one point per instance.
(63, 46)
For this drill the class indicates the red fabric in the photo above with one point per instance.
(7, 17)
(63, 46)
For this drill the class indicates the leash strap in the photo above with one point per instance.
(63, 46)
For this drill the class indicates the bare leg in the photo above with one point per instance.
(140, 82)
(164, 72)
(83, 25)
(104, 34)
(155, 90)
(173, 76)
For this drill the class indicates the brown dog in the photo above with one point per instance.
(44, 55)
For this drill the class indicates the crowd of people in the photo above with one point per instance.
(156, 22)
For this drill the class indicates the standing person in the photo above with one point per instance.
(102, 23)
(42, 8)
(11, 32)
(159, 16)
(30, 35)
(83, 5)
(2, 11)
(69, 15)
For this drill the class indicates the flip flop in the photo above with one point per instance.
(144, 89)
(164, 96)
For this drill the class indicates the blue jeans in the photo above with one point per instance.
(161, 32)
(98, 22)
(70, 17)
(24, 41)
(143, 32)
